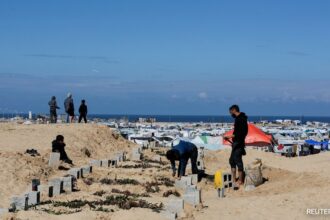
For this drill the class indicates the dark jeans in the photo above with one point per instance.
(237, 153)
(53, 117)
(83, 117)
(193, 159)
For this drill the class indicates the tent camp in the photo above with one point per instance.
(323, 145)
(255, 137)
(208, 142)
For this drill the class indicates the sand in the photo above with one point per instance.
(294, 184)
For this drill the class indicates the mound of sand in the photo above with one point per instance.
(18, 168)
(294, 184)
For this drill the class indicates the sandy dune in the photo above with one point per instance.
(294, 184)
(18, 168)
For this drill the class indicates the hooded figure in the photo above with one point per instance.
(240, 130)
(52, 109)
(58, 146)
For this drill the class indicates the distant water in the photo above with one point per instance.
(194, 118)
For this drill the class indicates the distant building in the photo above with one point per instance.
(147, 120)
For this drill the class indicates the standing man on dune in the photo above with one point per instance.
(69, 108)
(238, 143)
(83, 111)
(52, 110)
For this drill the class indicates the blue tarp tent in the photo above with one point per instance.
(323, 144)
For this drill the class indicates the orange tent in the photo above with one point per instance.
(255, 137)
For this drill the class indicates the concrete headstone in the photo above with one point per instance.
(54, 160)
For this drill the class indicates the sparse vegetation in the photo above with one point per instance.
(122, 201)
(99, 193)
(171, 192)
(138, 166)
(53, 212)
(107, 181)
(152, 187)
(147, 160)
(128, 193)
(102, 209)
(88, 181)
(160, 153)
(86, 152)
(166, 181)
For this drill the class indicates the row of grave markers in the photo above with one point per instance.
(57, 186)
(192, 196)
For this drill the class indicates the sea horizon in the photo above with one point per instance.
(189, 118)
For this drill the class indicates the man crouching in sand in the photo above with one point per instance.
(58, 146)
(182, 151)
(238, 144)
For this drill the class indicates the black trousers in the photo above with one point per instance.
(236, 155)
(193, 159)
(84, 116)
(53, 117)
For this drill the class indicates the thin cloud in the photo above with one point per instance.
(298, 53)
(174, 96)
(59, 56)
(213, 91)
(15, 75)
(202, 95)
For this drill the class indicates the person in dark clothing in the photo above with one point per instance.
(69, 108)
(83, 111)
(58, 146)
(52, 109)
(182, 152)
(238, 143)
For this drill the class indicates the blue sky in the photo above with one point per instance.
(167, 56)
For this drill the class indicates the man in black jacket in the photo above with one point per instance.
(58, 146)
(238, 143)
(83, 111)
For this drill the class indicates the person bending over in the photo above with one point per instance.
(238, 143)
(58, 146)
(182, 152)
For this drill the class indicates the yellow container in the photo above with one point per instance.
(218, 181)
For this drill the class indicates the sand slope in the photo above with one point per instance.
(294, 184)
(18, 168)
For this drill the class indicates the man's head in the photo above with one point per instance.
(69, 95)
(53, 98)
(60, 138)
(83, 101)
(234, 111)
(172, 155)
